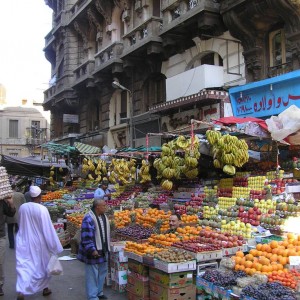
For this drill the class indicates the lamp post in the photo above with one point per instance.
(117, 85)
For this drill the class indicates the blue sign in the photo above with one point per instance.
(266, 97)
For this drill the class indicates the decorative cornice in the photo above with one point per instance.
(105, 9)
(93, 20)
(123, 4)
(81, 33)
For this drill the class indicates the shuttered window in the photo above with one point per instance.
(13, 128)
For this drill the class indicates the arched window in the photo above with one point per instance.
(206, 58)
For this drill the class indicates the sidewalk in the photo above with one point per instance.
(70, 286)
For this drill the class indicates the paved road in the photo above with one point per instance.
(65, 287)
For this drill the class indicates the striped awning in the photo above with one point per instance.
(87, 149)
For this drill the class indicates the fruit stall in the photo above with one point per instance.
(238, 203)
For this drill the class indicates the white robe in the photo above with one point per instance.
(35, 241)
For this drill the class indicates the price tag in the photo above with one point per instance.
(294, 260)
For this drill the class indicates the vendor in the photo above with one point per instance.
(102, 192)
(174, 222)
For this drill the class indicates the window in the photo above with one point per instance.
(13, 129)
(280, 49)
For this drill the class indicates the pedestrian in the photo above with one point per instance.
(94, 249)
(102, 192)
(8, 209)
(27, 191)
(12, 222)
(36, 240)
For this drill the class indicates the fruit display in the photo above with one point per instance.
(257, 182)
(252, 215)
(162, 240)
(237, 228)
(136, 231)
(209, 211)
(241, 192)
(50, 196)
(171, 166)
(141, 249)
(266, 206)
(122, 218)
(144, 174)
(75, 219)
(267, 291)
(228, 151)
(260, 194)
(196, 247)
(226, 183)
(173, 256)
(240, 181)
(290, 278)
(120, 171)
(225, 202)
(225, 192)
(210, 191)
(214, 222)
(187, 219)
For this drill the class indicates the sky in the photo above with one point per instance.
(24, 70)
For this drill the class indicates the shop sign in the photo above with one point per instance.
(267, 97)
(67, 118)
(183, 119)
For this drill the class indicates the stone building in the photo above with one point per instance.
(174, 59)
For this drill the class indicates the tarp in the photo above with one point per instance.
(59, 148)
(235, 120)
(28, 166)
(87, 149)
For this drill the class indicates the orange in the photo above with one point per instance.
(273, 244)
(240, 253)
(258, 247)
(253, 252)
(274, 258)
(249, 256)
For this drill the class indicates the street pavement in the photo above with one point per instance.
(70, 285)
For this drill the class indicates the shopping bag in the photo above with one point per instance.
(54, 266)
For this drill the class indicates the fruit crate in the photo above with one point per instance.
(233, 250)
(134, 256)
(175, 267)
(207, 255)
(271, 238)
(201, 268)
(121, 237)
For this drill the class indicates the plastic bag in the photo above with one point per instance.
(287, 122)
(54, 266)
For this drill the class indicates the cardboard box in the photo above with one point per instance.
(159, 292)
(131, 296)
(119, 277)
(175, 267)
(137, 267)
(117, 246)
(201, 268)
(121, 288)
(119, 266)
(137, 286)
(180, 279)
(118, 256)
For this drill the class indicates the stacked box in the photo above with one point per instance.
(137, 267)
(138, 285)
(171, 286)
(118, 267)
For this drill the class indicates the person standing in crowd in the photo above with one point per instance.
(94, 248)
(36, 240)
(174, 222)
(102, 192)
(27, 191)
(12, 222)
(7, 209)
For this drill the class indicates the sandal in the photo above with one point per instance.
(46, 292)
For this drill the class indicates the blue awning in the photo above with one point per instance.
(266, 97)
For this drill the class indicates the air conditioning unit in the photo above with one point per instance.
(138, 5)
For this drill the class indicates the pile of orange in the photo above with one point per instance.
(53, 195)
(268, 258)
(167, 239)
(141, 249)
(285, 277)
(189, 219)
(75, 219)
(152, 216)
(122, 218)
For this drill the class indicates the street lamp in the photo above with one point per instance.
(117, 85)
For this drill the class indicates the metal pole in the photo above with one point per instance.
(131, 119)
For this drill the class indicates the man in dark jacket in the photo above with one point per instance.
(7, 208)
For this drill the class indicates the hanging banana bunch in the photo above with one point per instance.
(144, 174)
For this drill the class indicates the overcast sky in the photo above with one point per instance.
(24, 70)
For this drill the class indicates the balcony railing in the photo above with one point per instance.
(13, 141)
(142, 34)
(280, 69)
(84, 70)
(78, 7)
(35, 141)
(108, 55)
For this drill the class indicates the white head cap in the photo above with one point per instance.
(34, 191)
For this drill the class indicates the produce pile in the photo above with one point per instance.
(173, 256)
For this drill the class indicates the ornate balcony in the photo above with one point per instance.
(108, 56)
(280, 69)
(84, 72)
(143, 34)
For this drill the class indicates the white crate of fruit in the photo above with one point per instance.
(233, 250)
(207, 255)
(175, 267)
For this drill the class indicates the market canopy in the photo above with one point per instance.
(29, 166)
(87, 149)
(59, 148)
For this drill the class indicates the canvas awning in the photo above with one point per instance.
(87, 149)
(58, 148)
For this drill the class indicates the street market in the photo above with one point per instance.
(235, 191)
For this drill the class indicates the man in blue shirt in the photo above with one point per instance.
(102, 192)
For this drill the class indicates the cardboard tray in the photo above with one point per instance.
(175, 267)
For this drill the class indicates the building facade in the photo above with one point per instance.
(175, 58)
(22, 131)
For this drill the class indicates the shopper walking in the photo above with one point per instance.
(36, 240)
(94, 249)
(102, 192)
(8, 209)
(12, 222)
